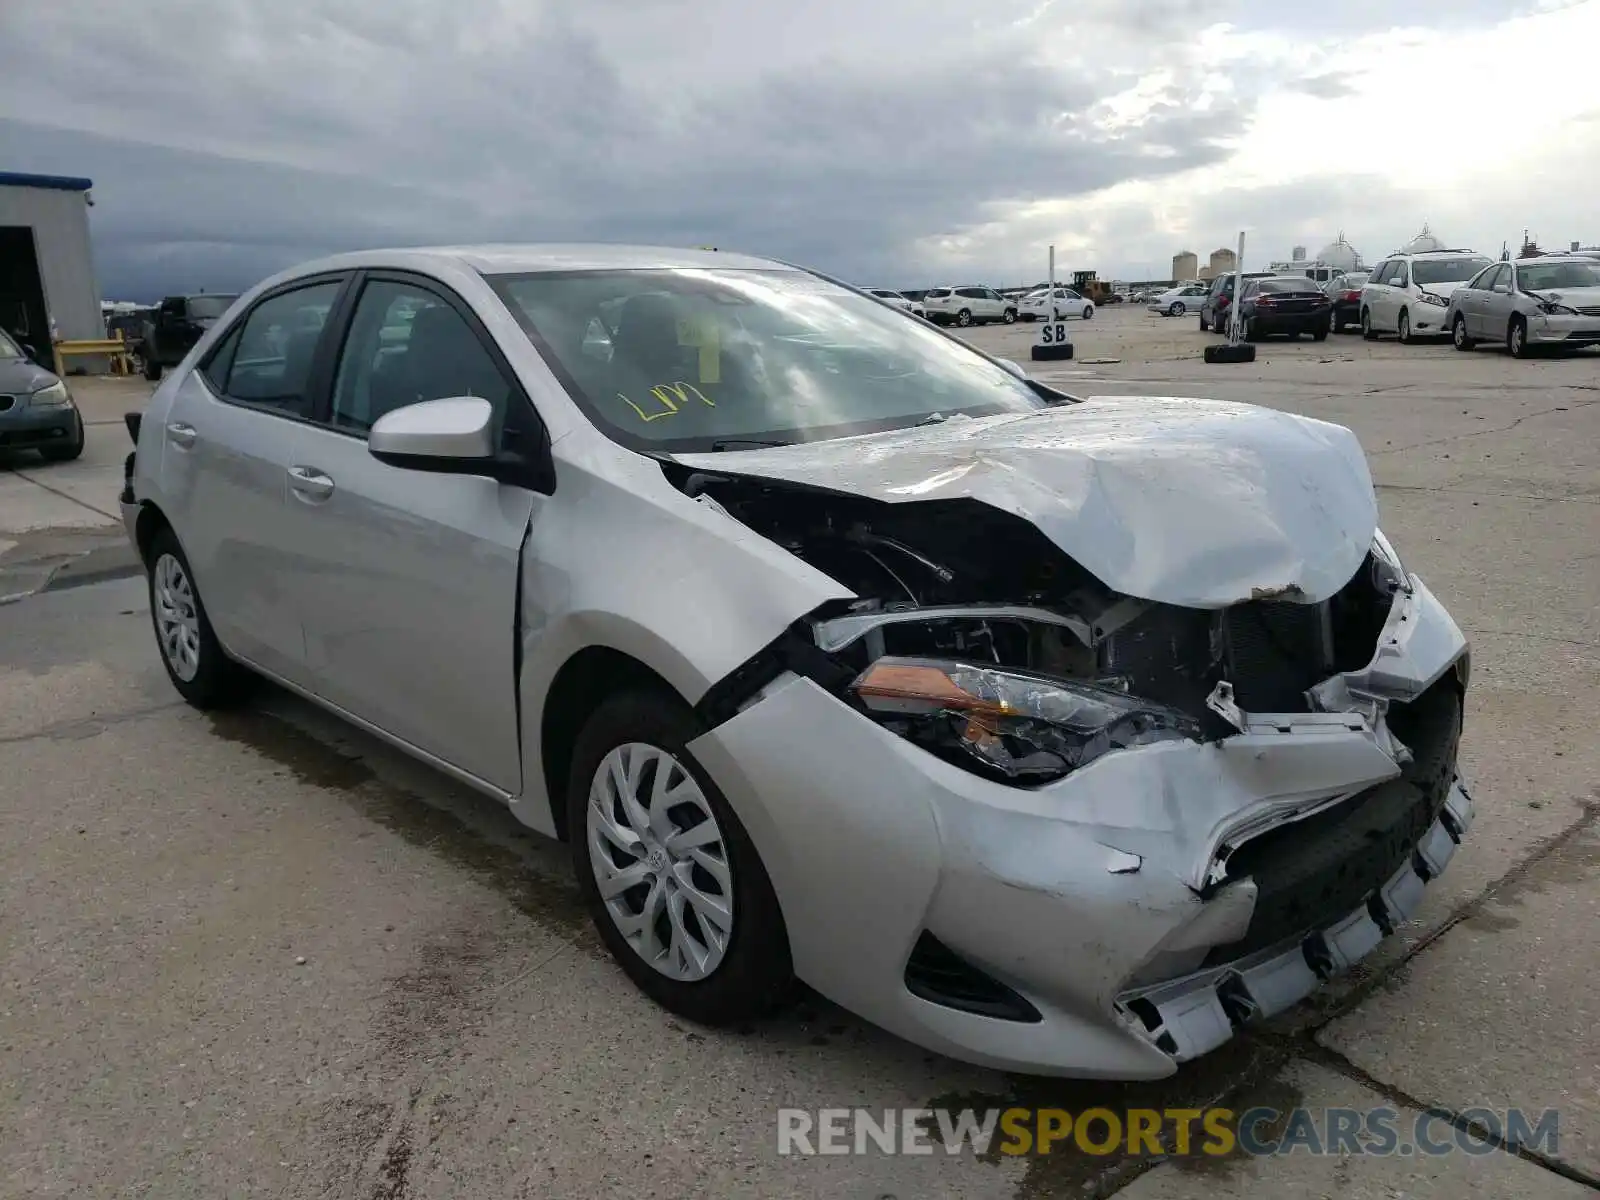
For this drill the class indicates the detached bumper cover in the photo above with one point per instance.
(1108, 896)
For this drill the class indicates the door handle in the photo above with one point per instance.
(310, 483)
(181, 435)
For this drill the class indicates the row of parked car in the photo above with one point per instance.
(974, 304)
(1546, 300)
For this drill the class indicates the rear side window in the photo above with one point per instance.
(938, 293)
(276, 345)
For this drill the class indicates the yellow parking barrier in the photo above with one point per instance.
(116, 347)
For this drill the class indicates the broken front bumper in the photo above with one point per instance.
(1102, 898)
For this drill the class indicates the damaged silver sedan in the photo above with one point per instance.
(1060, 735)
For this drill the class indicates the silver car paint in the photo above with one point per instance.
(874, 839)
(1189, 502)
(1488, 312)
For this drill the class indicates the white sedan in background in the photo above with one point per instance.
(899, 301)
(1175, 302)
(1069, 305)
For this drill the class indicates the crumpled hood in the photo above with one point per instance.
(1190, 502)
(1572, 297)
(1444, 290)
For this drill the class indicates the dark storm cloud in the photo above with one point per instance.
(312, 129)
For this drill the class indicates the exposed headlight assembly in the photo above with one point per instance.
(1011, 724)
(54, 395)
(1388, 574)
(1551, 309)
(1430, 298)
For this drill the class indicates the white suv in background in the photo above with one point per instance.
(1409, 294)
(968, 305)
(914, 307)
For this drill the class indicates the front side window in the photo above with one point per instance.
(271, 361)
(407, 344)
(1447, 270)
(203, 308)
(691, 359)
(8, 348)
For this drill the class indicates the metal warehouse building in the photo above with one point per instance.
(46, 265)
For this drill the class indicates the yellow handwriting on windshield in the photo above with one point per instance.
(671, 397)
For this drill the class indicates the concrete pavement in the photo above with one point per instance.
(262, 954)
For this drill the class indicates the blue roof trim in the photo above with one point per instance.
(58, 183)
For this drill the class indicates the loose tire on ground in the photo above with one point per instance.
(1052, 353)
(1228, 352)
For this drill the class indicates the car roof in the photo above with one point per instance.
(519, 258)
(1553, 258)
(1439, 254)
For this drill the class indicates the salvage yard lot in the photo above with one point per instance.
(261, 955)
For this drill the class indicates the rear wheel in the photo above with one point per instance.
(1203, 325)
(1458, 333)
(152, 369)
(674, 884)
(1321, 335)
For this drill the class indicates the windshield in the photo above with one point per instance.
(8, 348)
(1446, 270)
(1560, 275)
(201, 307)
(696, 359)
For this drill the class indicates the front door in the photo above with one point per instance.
(230, 436)
(409, 580)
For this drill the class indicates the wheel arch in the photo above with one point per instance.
(150, 521)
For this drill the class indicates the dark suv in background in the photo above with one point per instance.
(1214, 308)
(176, 327)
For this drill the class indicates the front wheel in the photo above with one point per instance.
(1403, 329)
(1517, 338)
(1176, 309)
(672, 880)
(203, 674)
(1367, 331)
(1088, 312)
(1458, 333)
(1010, 316)
(152, 369)
(1203, 326)
(964, 317)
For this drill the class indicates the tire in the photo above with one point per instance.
(1252, 331)
(70, 451)
(1088, 312)
(1010, 316)
(1403, 328)
(1458, 333)
(152, 369)
(1176, 309)
(1517, 338)
(964, 317)
(214, 680)
(1228, 352)
(1335, 324)
(1294, 335)
(1321, 335)
(1203, 326)
(754, 975)
(1367, 331)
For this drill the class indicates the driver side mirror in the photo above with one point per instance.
(33, 355)
(456, 436)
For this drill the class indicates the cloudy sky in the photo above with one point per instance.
(897, 142)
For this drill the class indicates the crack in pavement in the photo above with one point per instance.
(1455, 491)
(87, 727)
(55, 491)
(1476, 433)
(1538, 637)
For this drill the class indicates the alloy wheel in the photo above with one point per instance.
(963, 318)
(177, 618)
(660, 861)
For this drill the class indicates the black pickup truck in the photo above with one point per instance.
(177, 325)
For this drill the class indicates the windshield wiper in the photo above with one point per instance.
(746, 443)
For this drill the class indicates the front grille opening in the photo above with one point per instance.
(939, 975)
(1312, 872)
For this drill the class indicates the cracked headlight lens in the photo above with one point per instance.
(54, 395)
(1011, 724)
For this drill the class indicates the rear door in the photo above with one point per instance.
(233, 430)
(409, 579)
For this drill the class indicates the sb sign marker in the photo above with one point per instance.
(1052, 342)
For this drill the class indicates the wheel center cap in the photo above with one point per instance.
(656, 860)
